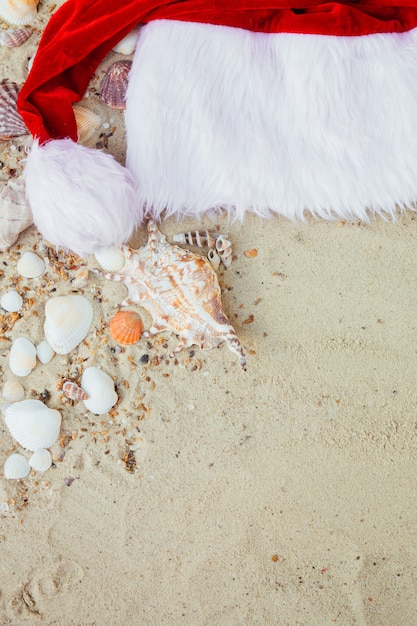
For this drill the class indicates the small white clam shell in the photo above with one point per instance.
(11, 301)
(30, 265)
(127, 45)
(44, 351)
(110, 258)
(22, 357)
(41, 460)
(100, 388)
(13, 391)
(16, 466)
(33, 424)
(67, 322)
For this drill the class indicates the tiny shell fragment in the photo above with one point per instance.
(251, 253)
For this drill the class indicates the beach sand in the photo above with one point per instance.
(284, 495)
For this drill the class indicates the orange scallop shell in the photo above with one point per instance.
(126, 327)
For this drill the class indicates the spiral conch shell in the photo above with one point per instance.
(15, 213)
(18, 12)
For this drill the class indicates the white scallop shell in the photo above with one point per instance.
(33, 424)
(13, 391)
(16, 466)
(110, 258)
(22, 357)
(44, 352)
(18, 12)
(68, 320)
(11, 301)
(30, 265)
(127, 45)
(100, 388)
(41, 460)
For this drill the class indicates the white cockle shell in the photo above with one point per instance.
(16, 466)
(13, 391)
(30, 265)
(110, 258)
(44, 352)
(67, 322)
(127, 45)
(33, 424)
(22, 357)
(100, 388)
(11, 301)
(41, 460)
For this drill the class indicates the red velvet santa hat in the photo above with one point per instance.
(82, 198)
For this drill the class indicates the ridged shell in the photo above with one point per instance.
(67, 322)
(18, 12)
(214, 258)
(114, 84)
(200, 238)
(73, 391)
(41, 460)
(13, 391)
(11, 301)
(33, 424)
(87, 122)
(22, 357)
(224, 250)
(100, 389)
(11, 122)
(12, 38)
(30, 265)
(44, 352)
(16, 467)
(127, 45)
(126, 327)
(110, 258)
(15, 213)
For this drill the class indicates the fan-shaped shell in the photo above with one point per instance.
(100, 389)
(67, 322)
(11, 38)
(30, 265)
(127, 45)
(15, 213)
(16, 466)
(33, 424)
(11, 301)
(87, 122)
(11, 122)
(126, 327)
(110, 258)
(114, 84)
(41, 460)
(13, 391)
(44, 352)
(18, 12)
(22, 357)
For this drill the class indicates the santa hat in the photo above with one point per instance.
(262, 105)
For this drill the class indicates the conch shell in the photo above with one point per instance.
(15, 213)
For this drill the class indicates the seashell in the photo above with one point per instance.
(33, 424)
(11, 122)
(11, 301)
(73, 391)
(13, 391)
(12, 38)
(126, 327)
(111, 258)
(127, 45)
(87, 122)
(214, 258)
(15, 213)
(22, 357)
(68, 320)
(81, 278)
(18, 12)
(16, 466)
(181, 292)
(114, 84)
(224, 250)
(200, 238)
(30, 265)
(44, 352)
(100, 389)
(41, 460)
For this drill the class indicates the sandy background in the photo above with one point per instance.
(280, 496)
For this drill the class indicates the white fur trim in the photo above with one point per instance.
(288, 123)
(81, 198)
